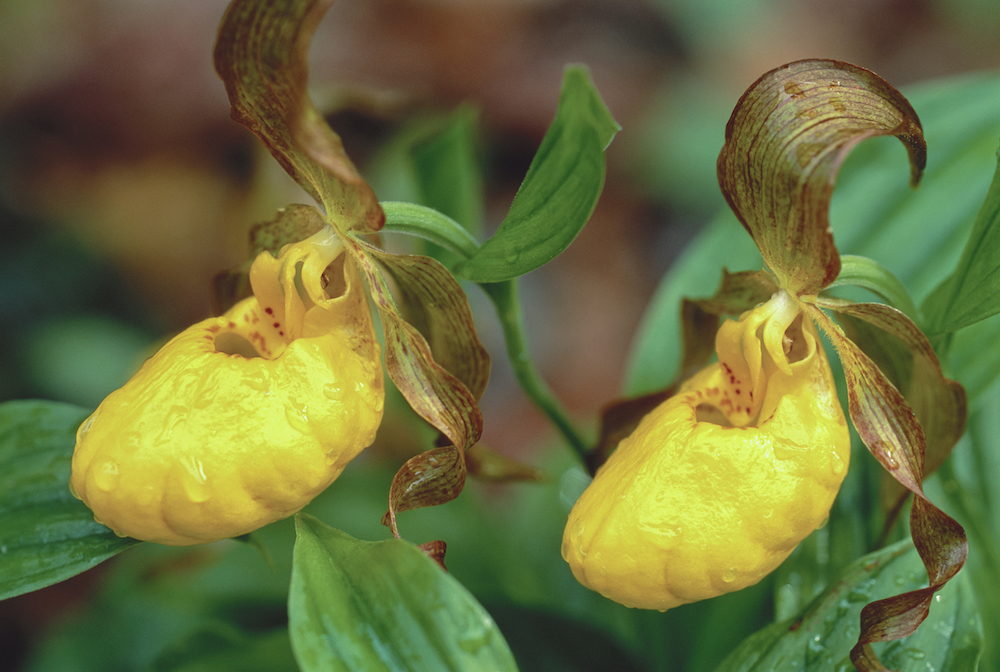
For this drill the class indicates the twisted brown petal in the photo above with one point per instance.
(785, 143)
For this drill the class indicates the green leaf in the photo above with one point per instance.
(967, 484)
(358, 605)
(972, 292)
(785, 143)
(260, 54)
(559, 192)
(821, 637)
(47, 535)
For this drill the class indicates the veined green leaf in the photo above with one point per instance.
(260, 54)
(785, 143)
(972, 292)
(821, 637)
(358, 605)
(47, 535)
(559, 192)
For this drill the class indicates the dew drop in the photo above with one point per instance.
(195, 481)
(814, 650)
(333, 392)
(730, 575)
(85, 427)
(257, 381)
(3, 549)
(836, 464)
(106, 477)
(296, 415)
(915, 654)
(512, 256)
(474, 639)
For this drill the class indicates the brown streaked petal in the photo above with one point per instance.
(260, 54)
(433, 477)
(939, 403)
(890, 429)
(435, 304)
(785, 142)
(438, 475)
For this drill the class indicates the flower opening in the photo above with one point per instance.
(719, 483)
(242, 419)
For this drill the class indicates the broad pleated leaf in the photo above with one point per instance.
(821, 636)
(890, 430)
(360, 605)
(785, 143)
(972, 292)
(292, 224)
(47, 535)
(261, 55)
(559, 191)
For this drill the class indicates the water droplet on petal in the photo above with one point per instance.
(106, 477)
(333, 392)
(195, 481)
(297, 417)
(257, 381)
(730, 575)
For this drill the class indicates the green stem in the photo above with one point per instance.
(438, 228)
(505, 297)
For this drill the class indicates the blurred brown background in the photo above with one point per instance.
(115, 145)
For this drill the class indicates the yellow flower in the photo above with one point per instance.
(242, 419)
(719, 483)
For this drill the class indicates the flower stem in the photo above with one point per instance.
(505, 297)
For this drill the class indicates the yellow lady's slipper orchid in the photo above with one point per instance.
(242, 419)
(719, 483)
